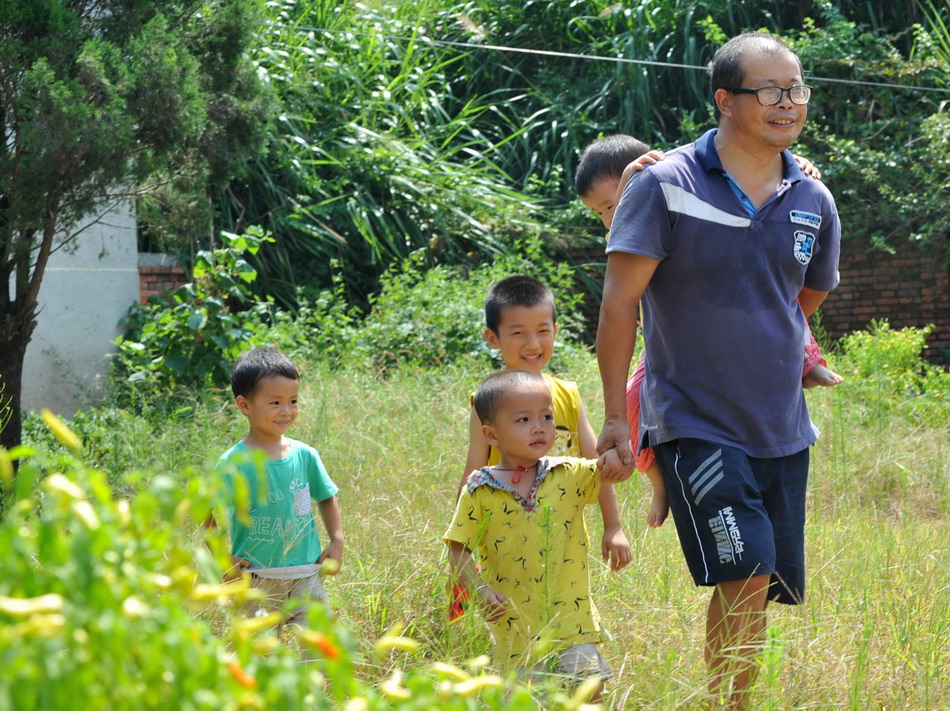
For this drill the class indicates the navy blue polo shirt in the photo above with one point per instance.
(723, 330)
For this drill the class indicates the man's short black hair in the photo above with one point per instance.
(726, 70)
(256, 364)
(606, 158)
(516, 291)
(491, 393)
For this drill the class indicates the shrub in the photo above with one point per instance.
(191, 338)
(425, 317)
(887, 377)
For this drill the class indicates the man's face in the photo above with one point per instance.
(777, 126)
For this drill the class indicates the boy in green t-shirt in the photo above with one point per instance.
(274, 538)
(523, 520)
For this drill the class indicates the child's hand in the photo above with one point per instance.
(611, 468)
(616, 549)
(807, 167)
(647, 159)
(331, 557)
(492, 602)
(238, 564)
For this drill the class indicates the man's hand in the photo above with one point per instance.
(332, 557)
(616, 435)
(616, 549)
(612, 469)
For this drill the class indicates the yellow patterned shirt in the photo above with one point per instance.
(533, 551)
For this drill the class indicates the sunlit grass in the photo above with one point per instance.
(872, 634)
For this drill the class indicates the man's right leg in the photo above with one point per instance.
(735, 635)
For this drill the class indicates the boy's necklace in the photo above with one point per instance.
(518, 471)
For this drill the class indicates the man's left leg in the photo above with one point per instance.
(735, 634)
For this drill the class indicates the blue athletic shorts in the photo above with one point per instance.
(738, 516)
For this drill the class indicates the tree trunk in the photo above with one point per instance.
(16, 330)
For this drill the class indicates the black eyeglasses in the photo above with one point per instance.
(771, 95)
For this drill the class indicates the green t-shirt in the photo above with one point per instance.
(271, 520)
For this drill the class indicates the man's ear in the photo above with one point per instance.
(492, 339)
(723, 101)
(488, 432)
(242, 403)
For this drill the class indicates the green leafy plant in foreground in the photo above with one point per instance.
(106, 603)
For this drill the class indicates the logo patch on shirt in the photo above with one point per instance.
(805, 218)
(804, 246)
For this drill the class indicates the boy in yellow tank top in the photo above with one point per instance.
(521, 322)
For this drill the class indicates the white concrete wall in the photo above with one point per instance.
(83, 295)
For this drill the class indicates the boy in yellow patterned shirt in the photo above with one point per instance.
(523, 520)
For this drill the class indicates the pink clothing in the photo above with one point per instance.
(646, 456)
(812, 352)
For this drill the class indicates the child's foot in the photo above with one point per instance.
(659, 509)
(820, 376)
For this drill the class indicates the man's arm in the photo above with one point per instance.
(626, 280)
(330, 513)
(810, 300)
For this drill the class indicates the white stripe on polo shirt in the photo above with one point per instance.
(687, 203)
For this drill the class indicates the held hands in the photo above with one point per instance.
(331, 557)
(616, 549)
(492, 602)
(612, 469)
(616, 435)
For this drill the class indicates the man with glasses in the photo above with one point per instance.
(727, 244)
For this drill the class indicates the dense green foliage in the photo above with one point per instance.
(106, 603)
(392, 141)
(422, 317)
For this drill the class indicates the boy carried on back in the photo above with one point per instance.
(523, 519)
(604, 169)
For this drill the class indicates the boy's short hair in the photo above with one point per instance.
(606, 158)
(726, 71)
(491, 393)
(516, 291)
(256, 364)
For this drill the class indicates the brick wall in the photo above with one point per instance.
(159, 274)
(908, 288)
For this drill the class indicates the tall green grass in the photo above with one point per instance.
(873, 631)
